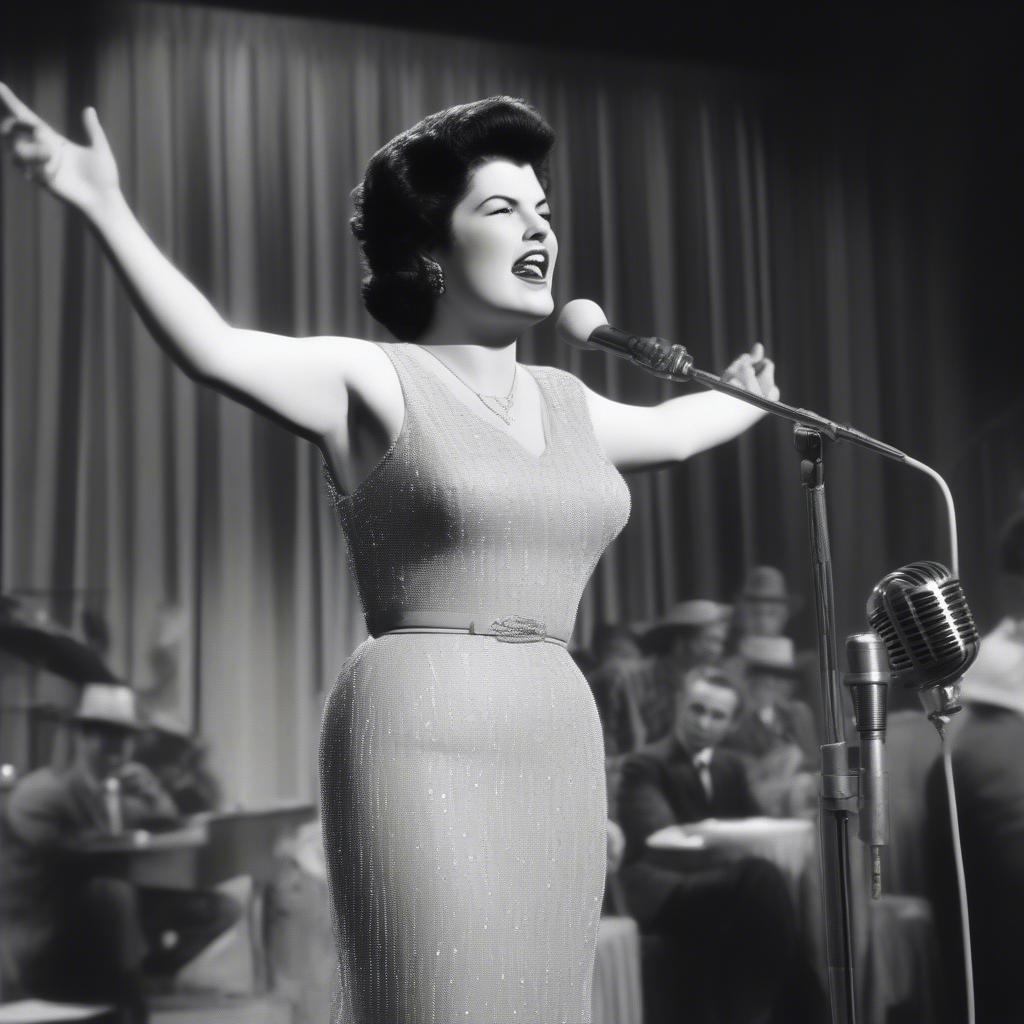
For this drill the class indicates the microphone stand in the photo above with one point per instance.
(839, 785)
(838, 797)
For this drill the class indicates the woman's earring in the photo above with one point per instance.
(435, 275)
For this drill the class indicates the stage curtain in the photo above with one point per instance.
(710, 206)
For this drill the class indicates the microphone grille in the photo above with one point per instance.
(920, 613)
(579, 319)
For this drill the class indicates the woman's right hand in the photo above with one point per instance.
(80, 175)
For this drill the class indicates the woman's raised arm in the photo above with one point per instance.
(301, 382)
(651, 437)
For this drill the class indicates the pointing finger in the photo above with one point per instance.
(16, 107)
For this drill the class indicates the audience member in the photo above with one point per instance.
(691, 633)
(734, 923)
(635, 695)
(775, 734)
(764, 606)
(66, 933)
(988, 770)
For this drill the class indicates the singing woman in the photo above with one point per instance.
(461, 754)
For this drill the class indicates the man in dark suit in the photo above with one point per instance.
(775, 735)
(734, 922)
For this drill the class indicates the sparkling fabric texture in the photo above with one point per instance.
(462, 776)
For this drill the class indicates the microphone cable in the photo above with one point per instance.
(954, 547)
(961, 879)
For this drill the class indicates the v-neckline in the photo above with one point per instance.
(545, 420)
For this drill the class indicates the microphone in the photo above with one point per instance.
(868, 680)
(582, 323)
(920, 613)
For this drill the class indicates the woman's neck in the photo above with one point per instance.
(488, 367)
(481, 349)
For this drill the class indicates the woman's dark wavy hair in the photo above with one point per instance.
(412, 184)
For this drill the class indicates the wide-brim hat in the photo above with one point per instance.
(685, 615)
(766, 583)
(109, 704)
(775, 654)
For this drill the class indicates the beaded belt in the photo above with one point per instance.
(510, 629)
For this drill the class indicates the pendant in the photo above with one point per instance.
(501, 407)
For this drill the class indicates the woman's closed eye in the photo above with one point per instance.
(508, 209)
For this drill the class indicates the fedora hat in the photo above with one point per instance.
(774, 653)
(109, 703)
(683, 615)
(766, 583)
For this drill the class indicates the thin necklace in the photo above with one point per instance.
(500, 405)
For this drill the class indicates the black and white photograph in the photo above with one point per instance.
(511, 513)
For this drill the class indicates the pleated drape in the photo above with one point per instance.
(714, 208)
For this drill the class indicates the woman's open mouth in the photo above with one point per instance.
(532, 266)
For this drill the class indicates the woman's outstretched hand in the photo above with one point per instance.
(80, 175)
(754, 373)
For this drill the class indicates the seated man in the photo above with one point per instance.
(66, 933)
(734, 922)
(690, 633)
(775, 735)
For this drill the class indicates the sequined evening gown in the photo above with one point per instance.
(462, 776)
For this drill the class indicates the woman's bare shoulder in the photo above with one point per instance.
(369, 373)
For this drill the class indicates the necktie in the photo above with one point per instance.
(704, 771)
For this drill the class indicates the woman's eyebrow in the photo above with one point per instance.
(508, 199)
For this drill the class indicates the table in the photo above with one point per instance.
(207, 849)
(788, 843)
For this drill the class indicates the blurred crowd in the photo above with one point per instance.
(637, 673)
(710, 712)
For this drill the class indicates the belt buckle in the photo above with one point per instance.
(519, 629)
